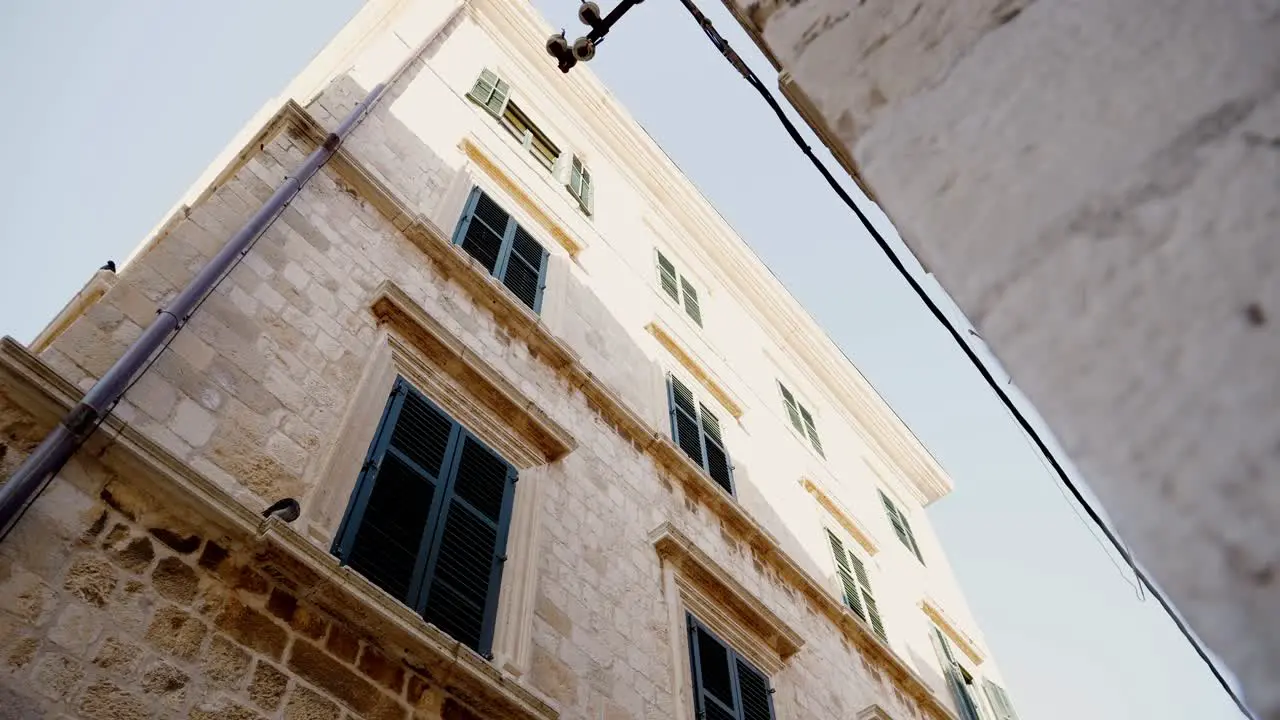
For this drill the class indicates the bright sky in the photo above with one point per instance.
(114, 108)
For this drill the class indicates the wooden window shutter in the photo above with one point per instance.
(685, 428)
(398, 494)
(955, 679)
(483, 230)
(490, 92)
(718, 466)
(868, 600)
(793, 408)
(900, 525)
(667, 276)
(524, 268)
(999, 700)
(691, 306)
(845, 575)
(810, 430)
(725, 685)
(464, 570)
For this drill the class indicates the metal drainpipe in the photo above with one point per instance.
(38, 470)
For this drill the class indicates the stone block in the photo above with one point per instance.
(222, 709)
(193, 423)
(383, 670)
(176, 632)
(135, 555)
(104, 700)
(225, 664)
(342, 644)
(76, 628)
(118, 657)
(91, 579)
(252, 629)
(175, 580)
(56, 675)
(166, 684)
(553, 677)
(315, 666)
(268, 686)
(178, 542)
(306, 704)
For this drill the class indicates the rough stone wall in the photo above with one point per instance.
(250, 392)
(112, 608)
(1095, 184)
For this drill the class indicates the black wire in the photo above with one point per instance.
(734, 59)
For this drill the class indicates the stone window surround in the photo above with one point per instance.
(933, 610)
(841, 515)
(666, 338)
(412, 344)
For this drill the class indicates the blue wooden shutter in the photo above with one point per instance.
(460, 591)
(753, 691)
(398, 494)
(691, 306)
(667, 276)
(793, 408)
(845, 575)
(868, 600)
(524, 268)
(725, 685)
(718, 465)
(900, 525)
(685, 429)
(483, 229)
(1000, 703)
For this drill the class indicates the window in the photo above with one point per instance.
(679, 287)
(494, 95)
(505, 249)
(801, 420)
(959, 680)
(855, 584)
(427, 521)
(900, 525)
(697, 432)
(580, 186)
(725, 685)
(999, 700)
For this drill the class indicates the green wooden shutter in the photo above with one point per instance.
(398, 495)
(845, 575)
(524, 268)
(685, 428)
(691, 306)
(482, 231)
(900, 525)
(713, 671)
(810, 430)
(793, 408)
(753, 691)
(580, 185)
(869, 600)
(667, 276)
(490, 92)
(718, 465)
(999, 700)
(954, 676)
(463, 573)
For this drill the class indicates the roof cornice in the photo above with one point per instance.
(633, 152)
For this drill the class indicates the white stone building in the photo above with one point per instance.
(564, 448)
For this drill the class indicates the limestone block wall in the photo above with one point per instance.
(1095, 185)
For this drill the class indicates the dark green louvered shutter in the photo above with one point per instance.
(490, 92)
(845, 575)
(491, 236)
(793, 408)
(397, 496)
(524, 268)
(667, 276)
(483, 230)
(901, 527)
(685, 429)
(810, 430)
(954, 676)
(725, 685)
(999, 700)
(868, 600)
(691, 306)
(718, 465)
(464, 570)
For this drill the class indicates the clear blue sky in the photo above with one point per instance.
(114, 108)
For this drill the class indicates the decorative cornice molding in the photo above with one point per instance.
(841, 515)
(474, 150)
(547, 440)
(278, 550)
(93, 290)
(874, 712)
(959, 637)
(716, 597)
(667, 340)
(633, 152)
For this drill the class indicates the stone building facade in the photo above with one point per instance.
(563, 447)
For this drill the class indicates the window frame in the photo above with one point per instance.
(733, 658)
(424, 576)
(699, 419)
(585, 193)
(802, 423)
(506, 247)
(514, 119)
(683, 287)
